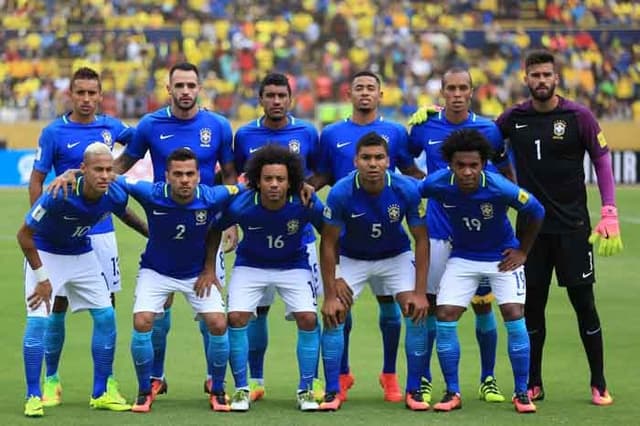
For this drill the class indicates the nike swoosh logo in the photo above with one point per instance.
(158, 213)
(252, 150)
(341, 144)
(163, 137)
(254, 228)
(71, 145)
(430, 142)
(71, 218)
(585, 275)
(591, 333)
(448, 206)
(521, 126)
(353, 215)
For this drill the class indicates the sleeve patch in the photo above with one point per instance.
(38, 154)
(38, 213)
(601, 140)
(232, 189)
(327, 212)
(523, 196)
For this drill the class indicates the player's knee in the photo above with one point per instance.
(306, 321)
(449, 313)
(60, 304)
(582, 298)
(104, 318)
(512, 311)
(143, 321)
(238, 319)
(262, 310)
(216, 323)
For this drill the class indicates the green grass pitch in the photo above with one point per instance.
(565, 368)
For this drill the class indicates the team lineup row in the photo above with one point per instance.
(556, 138)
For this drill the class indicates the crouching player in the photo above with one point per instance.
(484, 245)
(272, 255)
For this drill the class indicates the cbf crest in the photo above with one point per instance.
(205, 137)
(559, 127)
(294, 146)
(487, 210)
(107, 139)
(394, 212)
(293, 226)
(201, 217)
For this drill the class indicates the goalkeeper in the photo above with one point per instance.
(549, 136)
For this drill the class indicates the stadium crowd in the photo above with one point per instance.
(319, 44)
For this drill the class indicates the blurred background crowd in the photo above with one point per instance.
(319, 44)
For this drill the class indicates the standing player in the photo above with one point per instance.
(61, 147)
(484, 245)
(273, 256)
(549, 136)
(182, 124)
(177, 258)
(58, 251)
(428, 136)
(299, 137)
(338, 149)
(363, 221)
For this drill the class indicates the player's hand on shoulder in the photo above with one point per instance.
(422, 114)
(65, 182)
(513, 259)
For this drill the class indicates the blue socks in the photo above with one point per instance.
(448, 348)
(389, 322)
(431, 339)
(204, 331)
(161, 327)
(415, 349)
(33, 353)
(519, 348)
(103, 344)
(487, 337)
(142, 354)
(217, 358)
(239, 354)
(258, 339)
(344, 360)
(307, 351)
(53, 342)
(332, 348)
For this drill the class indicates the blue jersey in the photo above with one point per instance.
(479, 222)
(372, 224)
(428, 137)
(207, 134)
(177, 232)
(338, 145)
(62, 144)
(61, 225)
(272, 239)
(299, 136)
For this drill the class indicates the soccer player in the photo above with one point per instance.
(300, 137)
(177, 259)
(338, 149)
(273, 256)
(363, 221)
(61, 146)
(549, 136)
(182, 124)
(55, 242)
(484, 245)
(428, 137)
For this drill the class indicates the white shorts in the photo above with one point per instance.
(387, 277)
(152, 290)
(439, 254)
(106, 249)
(269, 296)
(462, 277)
(80, 276)
(248, 286)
